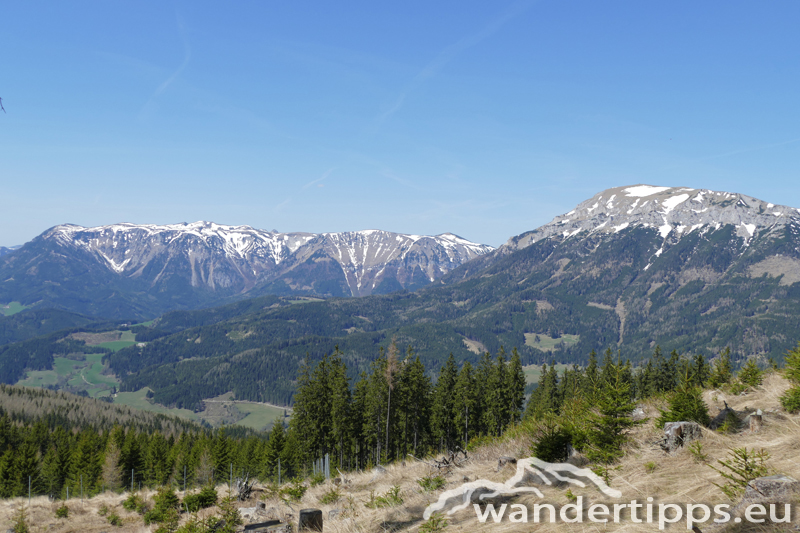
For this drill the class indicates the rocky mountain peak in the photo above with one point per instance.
(241, 258)
(672, 211)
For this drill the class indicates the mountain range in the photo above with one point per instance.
(140, 271)
(629, 269)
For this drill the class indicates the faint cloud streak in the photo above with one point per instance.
(450, 53)
(318, 181)
(187, 55)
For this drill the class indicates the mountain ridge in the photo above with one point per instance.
(147, 269)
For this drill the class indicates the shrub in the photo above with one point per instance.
(331, 496)
(741, 468)
(62, 511)
(20, 524)
(791, 398)
(135, 504)
(207, 497)
(316, 479)
(434, 524)
(432, 483)
(114, 519)
(696, 449)
(392, 498)
(294, 491)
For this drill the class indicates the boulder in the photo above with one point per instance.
(774, 489)
(778, 490)
(679, 434)
(505, 460)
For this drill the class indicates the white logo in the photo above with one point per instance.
(530, 471)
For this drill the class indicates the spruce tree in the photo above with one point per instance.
(340, 413)
(416, 405)
(465, 400)
(443, 408)
(610, 424)
(750, 374)
(686, 402)
(274, 451)
(791, 398)
(722, 371)
(515, 386)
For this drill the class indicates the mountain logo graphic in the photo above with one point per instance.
(530, 471)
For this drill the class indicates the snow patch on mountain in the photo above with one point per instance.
(219, 254)
(674, 212)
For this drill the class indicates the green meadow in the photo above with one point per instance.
(259, 416)
(534, 372)
(549, 344)
(12, 308)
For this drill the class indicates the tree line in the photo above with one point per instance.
(395, 410)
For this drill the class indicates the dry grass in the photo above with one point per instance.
(677, 478)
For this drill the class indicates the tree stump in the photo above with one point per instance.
(678, 434)
(755, 422)
(310, 520)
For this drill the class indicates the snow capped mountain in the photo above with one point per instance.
(240, 258)
(673, 212)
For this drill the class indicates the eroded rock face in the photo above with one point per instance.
(679, 434)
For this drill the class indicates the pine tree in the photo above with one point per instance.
(390, 372)
(340, 413)
(376, 402)
(515, 387)
(302, 421)
(496, 416)
(414, 391)
(443, 408)
(465, 400)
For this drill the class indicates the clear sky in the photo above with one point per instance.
(485, 119)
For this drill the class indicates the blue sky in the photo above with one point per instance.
(485, 119)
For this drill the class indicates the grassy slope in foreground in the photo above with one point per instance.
(677, 479)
